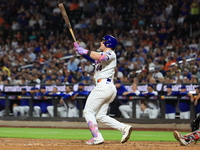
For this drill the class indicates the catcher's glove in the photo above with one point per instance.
(195, 124)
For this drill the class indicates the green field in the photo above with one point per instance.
(82, 134)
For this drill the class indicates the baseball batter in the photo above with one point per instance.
(104, 92)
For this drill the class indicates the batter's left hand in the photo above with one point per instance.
(80, 49)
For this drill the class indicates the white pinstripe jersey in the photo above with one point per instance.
(106, 69)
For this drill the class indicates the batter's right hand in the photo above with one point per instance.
(80, 49)
(76, 45)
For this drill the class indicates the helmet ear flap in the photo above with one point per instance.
(106, 44)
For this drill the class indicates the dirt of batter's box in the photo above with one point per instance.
(51, 144)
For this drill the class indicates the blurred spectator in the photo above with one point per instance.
(169, 62)
(144, 110)
(152, 104)
(2, 104)
(145, 41)
(126, 110)
(114, 106)
(15, 26)
(4, 68)
(170, 105)
(194, 79)
(194, 11)
(150, 62)
(198, 75)
(119, 74)
(72, 66)
(70, 104)
(178, 76)
(157, 75)
(184, 105)
(184, 64)
(23, 108)
(80, 92)
(41, 107)
(173, 68)
(61, 109)
(168, 74)
(137, 57)
(187, 74)
(13, 80)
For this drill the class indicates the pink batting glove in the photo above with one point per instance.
(80, 49)
(76, 45)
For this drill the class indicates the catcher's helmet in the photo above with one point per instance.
(110, 41)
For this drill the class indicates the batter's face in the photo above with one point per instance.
(102, 46)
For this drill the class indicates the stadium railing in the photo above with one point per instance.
(55, 100)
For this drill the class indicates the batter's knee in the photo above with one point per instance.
(99, 118)
(86, 111)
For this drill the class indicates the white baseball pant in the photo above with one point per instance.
(72, 112)
(2, 112)
(185, 115)
(97, 105)
(61, 111)
(22, 110)
(37, 111)
(126, 111)
(153, 113)
(170, 116)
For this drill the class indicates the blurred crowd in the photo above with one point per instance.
(155, 43)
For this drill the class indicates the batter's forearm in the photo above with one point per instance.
(95, 55)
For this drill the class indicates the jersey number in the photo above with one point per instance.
(99, 68)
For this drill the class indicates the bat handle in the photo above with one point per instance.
(72, 33)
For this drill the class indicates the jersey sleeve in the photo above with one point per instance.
(107, 56)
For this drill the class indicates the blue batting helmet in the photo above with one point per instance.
(110, 41)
